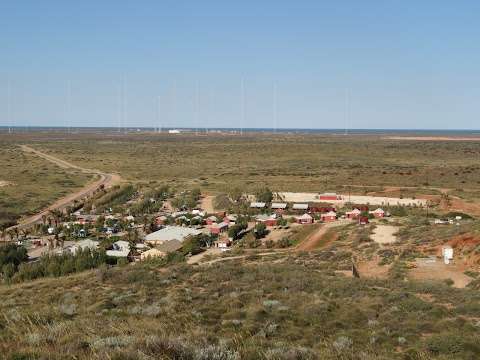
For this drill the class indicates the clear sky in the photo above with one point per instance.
(371, 64)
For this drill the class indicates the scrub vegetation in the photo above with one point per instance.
(32, 183)
(285, 307)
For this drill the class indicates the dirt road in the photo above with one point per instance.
(206, 203)
(312, 242)
(104, 179)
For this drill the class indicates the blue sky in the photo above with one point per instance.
(398, 64)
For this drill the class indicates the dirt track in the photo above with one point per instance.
(312, 242)
(104, 179)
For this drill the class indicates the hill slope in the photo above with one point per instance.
(285, 307)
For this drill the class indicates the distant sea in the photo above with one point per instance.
(424, 132)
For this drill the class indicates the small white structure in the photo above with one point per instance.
(119, 249)
(279, 206)
(50, 230)
(447, 253)
(257, 205)
(83, 245)
(174, 131)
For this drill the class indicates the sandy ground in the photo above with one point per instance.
(206, 203)
(371, 269)
(275, 235)
(434, 269)
(356, 199)
(384, 234)
(433, 138)
(105, 179)
(198, 258)
(4, 183)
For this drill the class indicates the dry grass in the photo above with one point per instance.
(295, 308)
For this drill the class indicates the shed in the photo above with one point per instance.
(328, 217)
(299, 206)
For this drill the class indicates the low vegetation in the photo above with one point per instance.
(289, 307)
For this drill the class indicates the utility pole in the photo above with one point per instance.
(197, 107)
(9, 106)
(242, 120)
(274, 108)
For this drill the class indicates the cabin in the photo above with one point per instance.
(216, 229)
(329, 217)
(353, 215)
(305, 219)
(378, 213)
(329, 197)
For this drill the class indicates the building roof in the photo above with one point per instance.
(257, 205)
(354, 211)
(330, 213)
(264, 217)
(328, 194)
(279, 205)
(379, 210)
(305, 216)
(300, 206)
(171, 233)
(152, 253)
(170, 246)
(220, 225)
(83, 244)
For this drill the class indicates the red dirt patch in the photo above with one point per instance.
(371, 269)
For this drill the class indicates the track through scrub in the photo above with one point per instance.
(104, 179)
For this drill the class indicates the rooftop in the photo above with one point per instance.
(172, 233)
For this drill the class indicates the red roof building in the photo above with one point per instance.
(329, 217)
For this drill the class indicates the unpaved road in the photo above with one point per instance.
(312, 241)
(206, 203)
(104, 179)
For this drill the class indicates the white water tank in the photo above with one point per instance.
(447, 253)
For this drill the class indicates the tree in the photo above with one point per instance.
(235, 194)
(260, 230)
(234, 231)
(264, 195)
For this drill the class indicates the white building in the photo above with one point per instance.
(170, 233)
(119, 249)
